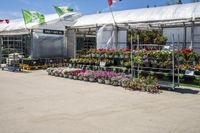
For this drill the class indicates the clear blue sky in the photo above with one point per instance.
(11, 9)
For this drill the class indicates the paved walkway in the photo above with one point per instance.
(37, 103)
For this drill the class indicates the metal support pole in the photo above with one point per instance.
(173, 63)
(132, 66)
(185, 36)
(32, 51)
(96, 34)
(138, 67)
(116, 36)
(178, 63)
(192, 36)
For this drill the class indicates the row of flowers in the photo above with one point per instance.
(148, 84)
(152, 58)
(90, 61)
(109, 53)
(148, 37)
(184, 54)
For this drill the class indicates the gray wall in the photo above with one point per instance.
(45, 45)
(71, 43)
(179, 31)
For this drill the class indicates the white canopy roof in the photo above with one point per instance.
(155, 14)
(52, 21)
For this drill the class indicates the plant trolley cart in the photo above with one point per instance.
(160, 61)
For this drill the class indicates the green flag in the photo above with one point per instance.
(63, 9)
(32, 16)
(27, 16)
(40, 17)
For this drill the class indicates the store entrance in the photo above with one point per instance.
(84, 43)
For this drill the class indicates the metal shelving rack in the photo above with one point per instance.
(136, 70)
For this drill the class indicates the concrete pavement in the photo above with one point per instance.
(34, 102)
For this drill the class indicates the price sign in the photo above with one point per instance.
(189, 72)
(102, 64)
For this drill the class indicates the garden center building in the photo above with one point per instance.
(34, 40)
(182, 21)
(65, 36)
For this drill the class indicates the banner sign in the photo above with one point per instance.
(54, 32)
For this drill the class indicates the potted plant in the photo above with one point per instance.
(116, 54)
(126, 55)
(121, 54)
(154, 63)
(110, 55)
(80, 77)
(75, 77)
(160, 39)
(85, 78)
(107, 80)
(101, 81)
(66, 74)
(125, 82)
(166, 64)
(127, 64)
(70, 76)
(146, 62)
(100, 75)
(138, 60)
(91, 77)
(116, 80)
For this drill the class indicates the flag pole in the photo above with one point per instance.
(115, 24)
(112, 15)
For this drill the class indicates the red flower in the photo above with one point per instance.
(185, 51)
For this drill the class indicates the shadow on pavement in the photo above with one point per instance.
(186, 91)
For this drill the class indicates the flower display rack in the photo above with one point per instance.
(150, 61)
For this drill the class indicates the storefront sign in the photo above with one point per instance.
(55, 32)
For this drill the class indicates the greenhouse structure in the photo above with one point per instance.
(180, 21)
(37, 41)
(66, 36)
